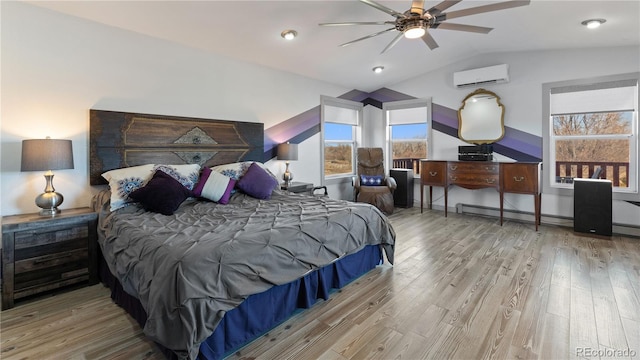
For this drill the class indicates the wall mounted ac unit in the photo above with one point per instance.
(488, 75)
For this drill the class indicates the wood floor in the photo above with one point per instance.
(463, 287)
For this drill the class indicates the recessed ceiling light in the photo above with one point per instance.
(289, 34)
(378, 69)
(593, 23)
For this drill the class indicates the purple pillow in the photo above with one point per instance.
(257, 182)
(372, 180)
(214, 186)
(162, 194)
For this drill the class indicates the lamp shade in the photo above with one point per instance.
(46, 154)
(288, 151)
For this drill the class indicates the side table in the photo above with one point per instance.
(45, 253)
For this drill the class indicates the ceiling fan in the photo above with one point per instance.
(415, 22)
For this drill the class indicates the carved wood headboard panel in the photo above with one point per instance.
(119, 139)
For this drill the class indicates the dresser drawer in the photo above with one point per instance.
(474, 180)
(473, 167)
(520, 178)
(473, 174)
(433, 173)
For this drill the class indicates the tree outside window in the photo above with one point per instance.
(408, 143)
(339, 146)
(584, 142)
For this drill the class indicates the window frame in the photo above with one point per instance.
(387, 107)
(632, 193)
(357, 136)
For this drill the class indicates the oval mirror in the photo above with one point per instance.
(481, 118)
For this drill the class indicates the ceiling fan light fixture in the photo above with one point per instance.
(414, 32)
(289, 34)
(378, 69)
(593, 23)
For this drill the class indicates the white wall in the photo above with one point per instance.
(522, 98)
(56, 67)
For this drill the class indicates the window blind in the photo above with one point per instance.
(594, 98)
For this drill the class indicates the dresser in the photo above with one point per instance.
(505, 177)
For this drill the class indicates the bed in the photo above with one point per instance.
(212, 276)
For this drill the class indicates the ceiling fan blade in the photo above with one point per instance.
(482, 9)
(436, 10)
(461, 27)
(429, 40)
(417, 7)
(358, 23)
(393, 42)
(368, 36)
(383, 8)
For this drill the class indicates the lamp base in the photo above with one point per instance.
(49, 212)
(287, 176)
(49, 202)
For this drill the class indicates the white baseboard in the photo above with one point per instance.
(619, 229)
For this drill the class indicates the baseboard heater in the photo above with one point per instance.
(618, 229)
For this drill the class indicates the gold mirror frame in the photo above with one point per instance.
(480, 120)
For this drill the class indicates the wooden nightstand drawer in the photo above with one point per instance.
(50, 235)
(46, 256)
(41, 254)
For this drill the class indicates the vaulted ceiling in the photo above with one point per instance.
(249, 31)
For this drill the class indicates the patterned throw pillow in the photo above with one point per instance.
(238, 169)
(124, 181)
(233, 170)
(372, 180)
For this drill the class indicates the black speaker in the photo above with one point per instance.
(592, 203)
(403, 196)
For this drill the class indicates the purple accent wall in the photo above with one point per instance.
(516, 144)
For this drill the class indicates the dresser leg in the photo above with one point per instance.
(501, 206)
(537, 199)
(446, 201)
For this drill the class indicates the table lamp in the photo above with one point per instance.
(46, 155)
(287, 151)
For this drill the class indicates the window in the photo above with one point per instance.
(592, 127)
(408, 133)
(340, 131)
(339, 147)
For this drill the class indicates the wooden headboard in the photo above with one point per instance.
(120, 139)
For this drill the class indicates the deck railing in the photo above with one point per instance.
(407, 163)
(617, 172)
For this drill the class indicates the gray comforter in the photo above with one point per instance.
(188, 269)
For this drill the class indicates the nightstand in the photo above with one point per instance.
(45, 253)
(298, 187)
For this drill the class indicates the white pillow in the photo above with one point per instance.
(124, 181)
